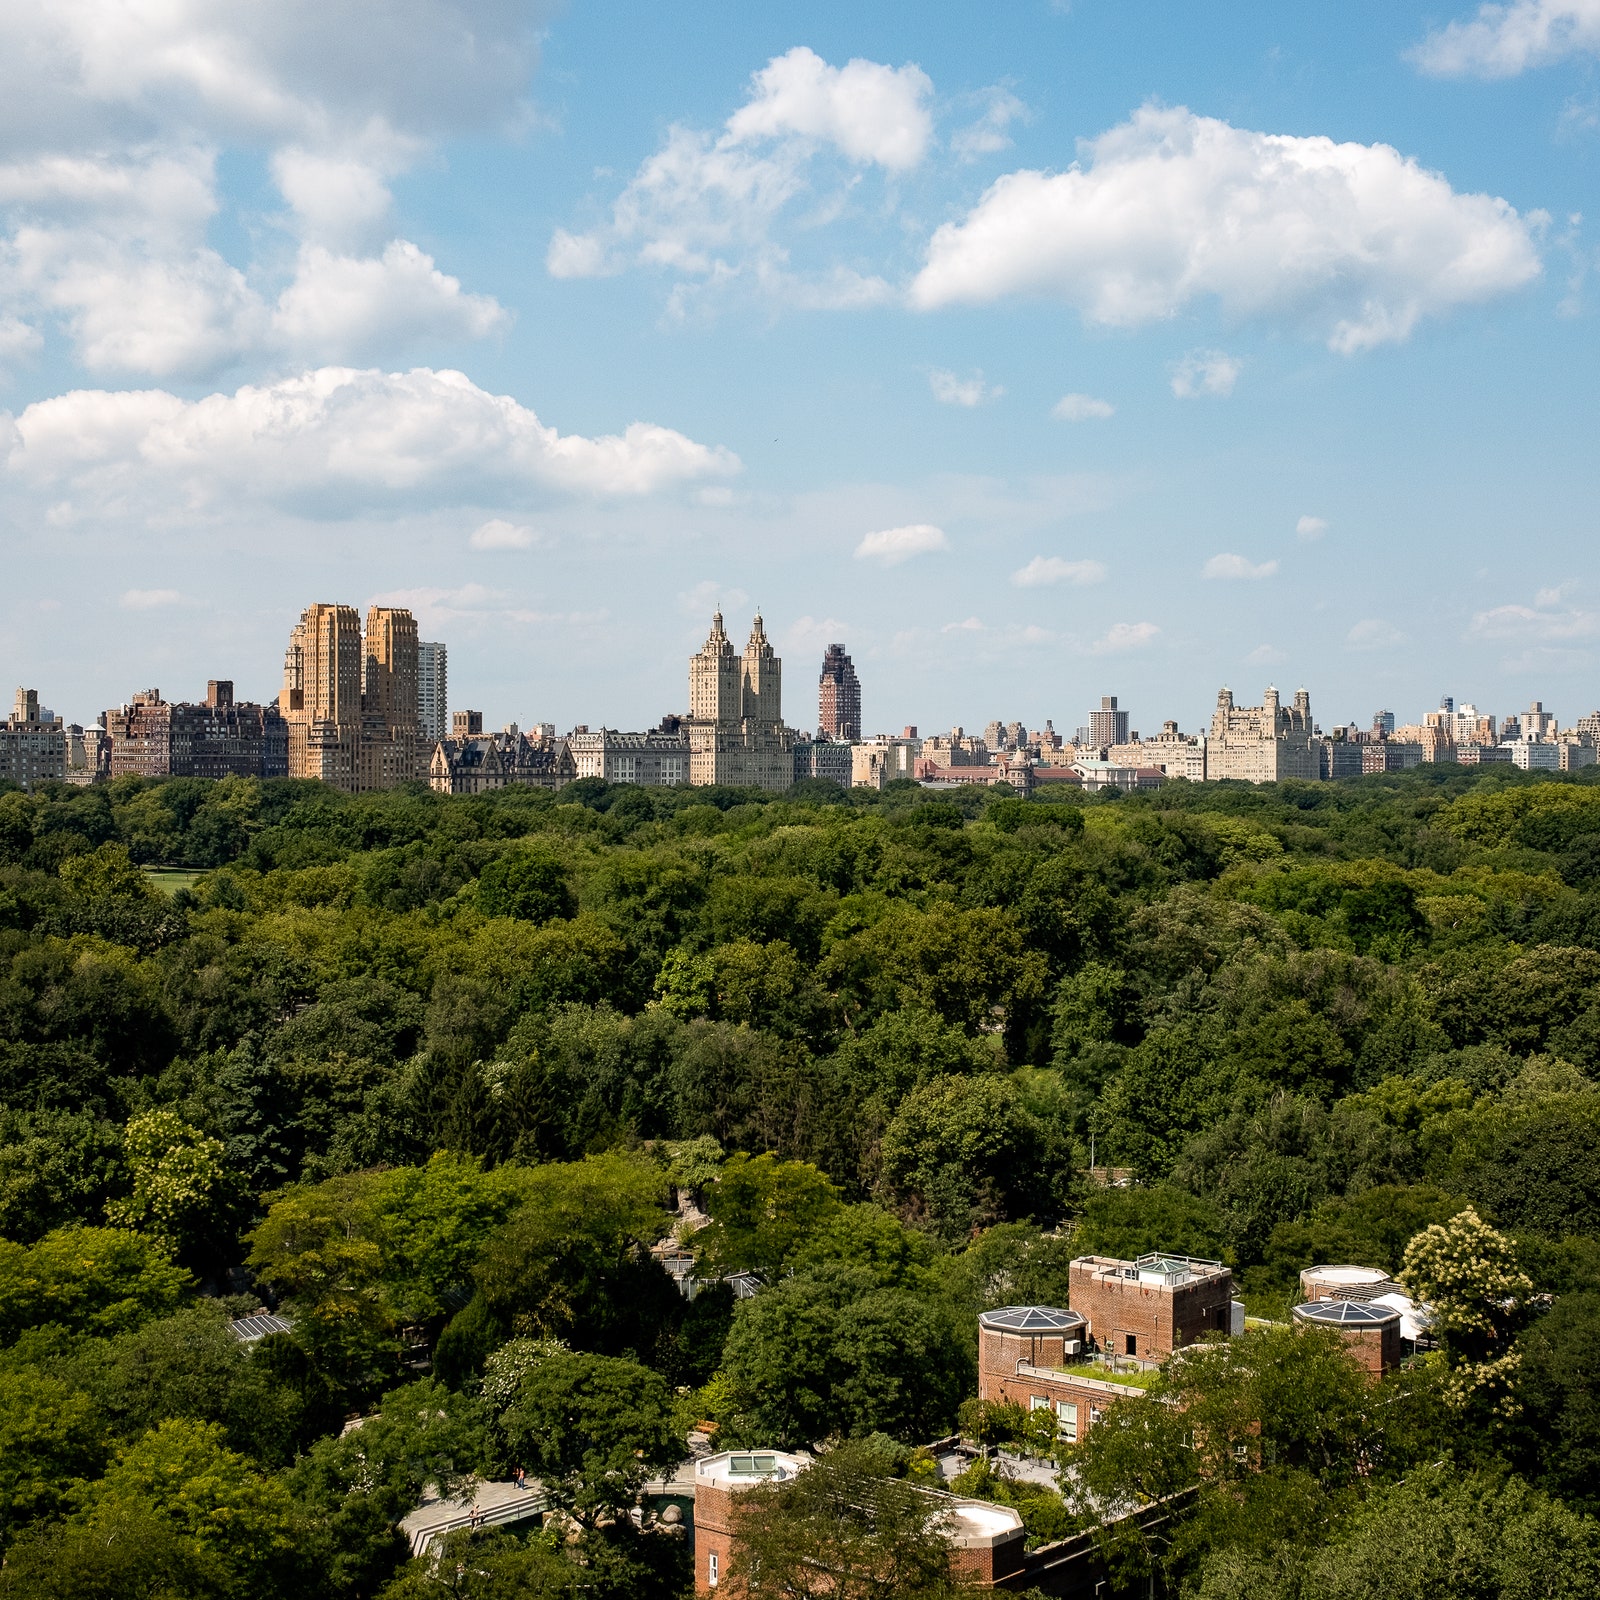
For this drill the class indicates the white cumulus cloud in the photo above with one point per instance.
(951, 390)
(1311, 529)
(870, 112)
(1232, 566)
(705, 207)
(498, 534)
(1124, 636)
(1205, 372)
(1356, 240)
(337, 436)
(1044, 570)
(1373, 633)
(1546, 620)
(1081, 408)
(891, 546)
(1502, 41)
(148, 599)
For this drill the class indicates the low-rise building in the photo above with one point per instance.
(1370, 1332)
(1098, 775)
(1152, 1306)
(986, 1541)
(883, 758)
(1534, 755)
(823, 757)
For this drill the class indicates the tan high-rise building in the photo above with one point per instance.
(351, 704)
(1263, 743)
(736, 731)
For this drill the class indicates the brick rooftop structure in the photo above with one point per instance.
(1371, 1333)
(1152, 1306)
(986, 1541)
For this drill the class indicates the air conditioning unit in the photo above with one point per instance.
(1072, 1347)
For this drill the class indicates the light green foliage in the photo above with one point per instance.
(211, 1497)
(108, 872)
(1474, 1287)
(592, 1428)
(762, 1211)
(1129, 1223)
(49, 1435)
(94, 1280)
(491, 1564)
(181, 1187)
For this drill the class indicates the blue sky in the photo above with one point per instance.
(1034, 351)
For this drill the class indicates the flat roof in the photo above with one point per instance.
(734, 1469)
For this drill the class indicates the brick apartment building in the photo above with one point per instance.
(1152, 1306)
(222, 738)
(986, 1541)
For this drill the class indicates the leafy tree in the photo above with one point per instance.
(56, 1168)
(94, 1280)
(1475, 1289)
(489, 1564)
(832, 1352)
(243, 1522)
(1558, 1441)
(844, 1528)
(181, 1189)
(963, 1152)
(49, 1435)
(527, 883)
(593, 1428)
(1129, 1223)
(762, 1212)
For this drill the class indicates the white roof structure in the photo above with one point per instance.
(1031, 1319)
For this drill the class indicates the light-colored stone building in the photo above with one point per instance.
(1177, 755)
(883, 758)
(656, 759)
(1264, 743)
(735, 727)
(351, 702)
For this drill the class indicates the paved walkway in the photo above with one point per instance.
(490, 1505)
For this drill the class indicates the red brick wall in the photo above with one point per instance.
(1161, 1320)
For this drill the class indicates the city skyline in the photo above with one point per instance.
(557, 325)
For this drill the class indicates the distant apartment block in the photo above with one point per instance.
(351, 700)
(153, 738)
(655, 759)
(839, 696)
(735, 727)
(1265, 743)
(475, 762)
(1108, 725)
(883, 758)
(33, 743)
(433, 691)
(823, 758)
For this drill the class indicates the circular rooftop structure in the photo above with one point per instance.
(1033, 1320)
(1349, 1314)
(1320, 1283)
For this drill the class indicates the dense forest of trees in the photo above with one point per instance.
(429, 1075)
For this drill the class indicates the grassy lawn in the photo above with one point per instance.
(169, 880)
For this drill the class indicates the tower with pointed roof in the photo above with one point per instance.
(735, 728)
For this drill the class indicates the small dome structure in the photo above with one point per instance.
(1031, 1320)
(1346, 1314)
(1323, 1283)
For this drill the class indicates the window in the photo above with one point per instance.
(1132, 1344)
(711, 1569)
(1038, 1402)
(1067, 1420)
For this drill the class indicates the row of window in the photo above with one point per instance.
(1066, 1415)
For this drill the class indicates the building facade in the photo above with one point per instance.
(1265, 743)
(433, 690)
(33, 743)
(351, 700)
(220, 738)
(839, 696)
(476, 763)
(823, 758)
(1108, 725)
(986, 1541)
(655, 758)
(735, 726)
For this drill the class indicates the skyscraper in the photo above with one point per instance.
(1108, 726)
(351, 704)
(839, 696)
(433, 690)
(736, 731)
